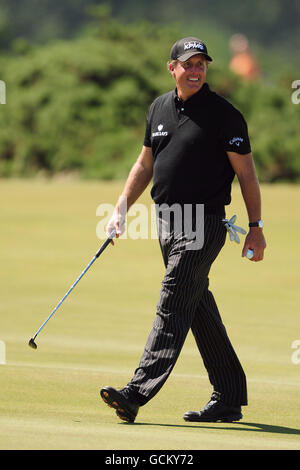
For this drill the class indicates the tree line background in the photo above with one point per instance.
(81, 74)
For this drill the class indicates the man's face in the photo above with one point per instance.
(189, 75)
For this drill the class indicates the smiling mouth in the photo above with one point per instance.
(195, 80)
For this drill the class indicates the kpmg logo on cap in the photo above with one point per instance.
(193, 45)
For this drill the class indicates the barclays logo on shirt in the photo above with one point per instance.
(160, 132)
(236, 140)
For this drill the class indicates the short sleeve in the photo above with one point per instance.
(234, 133)
(147, 138)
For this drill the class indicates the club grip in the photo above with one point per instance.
(104, 245)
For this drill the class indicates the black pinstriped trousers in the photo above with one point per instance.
(186, 302)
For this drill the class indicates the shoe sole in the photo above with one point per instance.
(114, 400)
(226, 419)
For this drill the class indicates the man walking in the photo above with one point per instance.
(195, 143)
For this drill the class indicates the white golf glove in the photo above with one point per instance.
(233, 229)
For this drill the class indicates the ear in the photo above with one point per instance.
(171, 68)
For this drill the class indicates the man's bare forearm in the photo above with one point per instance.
(137, 181)
(244, 168)
(138, 178)
(251, 193)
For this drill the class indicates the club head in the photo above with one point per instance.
(32, 344)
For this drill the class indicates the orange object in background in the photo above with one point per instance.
(243, 62)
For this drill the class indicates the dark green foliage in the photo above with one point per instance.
(80, 105)
(273, 123)
(272, 23)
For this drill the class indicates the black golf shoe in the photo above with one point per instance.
(215, 411)
(120, 401)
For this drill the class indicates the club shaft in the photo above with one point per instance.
(101, 249)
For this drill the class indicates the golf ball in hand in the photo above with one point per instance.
(250, 254)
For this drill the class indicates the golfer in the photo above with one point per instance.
(195, 143)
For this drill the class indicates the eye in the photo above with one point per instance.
(186, 65)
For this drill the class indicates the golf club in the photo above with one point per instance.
(31, 342)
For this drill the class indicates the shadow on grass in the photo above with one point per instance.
(255, 427)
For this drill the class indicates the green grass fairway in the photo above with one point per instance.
(49, 398)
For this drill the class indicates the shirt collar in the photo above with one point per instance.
(196, 98)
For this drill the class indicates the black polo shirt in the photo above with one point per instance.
(189, 141)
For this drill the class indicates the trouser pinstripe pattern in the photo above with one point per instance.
(186, 302)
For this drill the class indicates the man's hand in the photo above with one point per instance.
(117, 221)
(255, 241)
